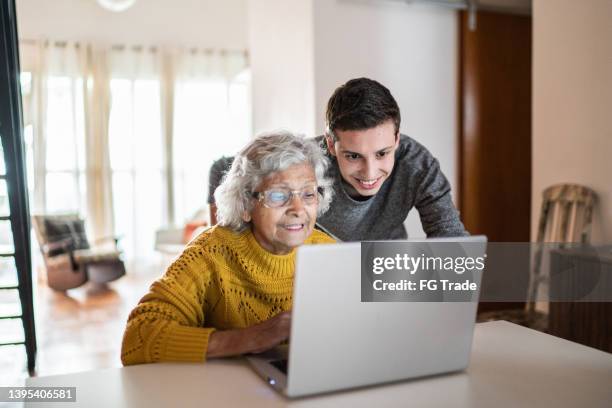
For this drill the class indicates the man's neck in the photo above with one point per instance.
(353, 193)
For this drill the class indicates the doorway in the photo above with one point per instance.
(495, 129)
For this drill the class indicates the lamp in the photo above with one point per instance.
(116, 5)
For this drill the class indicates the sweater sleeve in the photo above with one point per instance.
(438, 214)
(167, 324)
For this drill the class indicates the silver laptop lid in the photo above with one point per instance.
(339, 342)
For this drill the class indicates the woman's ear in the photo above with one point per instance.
(246, 216)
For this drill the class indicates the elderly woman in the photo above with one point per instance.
(230, 290)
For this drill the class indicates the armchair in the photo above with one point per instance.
(69, 259)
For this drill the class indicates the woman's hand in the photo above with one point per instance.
(254, 339)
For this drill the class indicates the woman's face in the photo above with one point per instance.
(280, 229)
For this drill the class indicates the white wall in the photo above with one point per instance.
(201, 23)
(572, 102)
(410, 49)
(302, 50)
(280, 41)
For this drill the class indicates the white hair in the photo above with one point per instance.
(267, 154)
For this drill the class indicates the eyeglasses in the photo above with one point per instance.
(279, 197)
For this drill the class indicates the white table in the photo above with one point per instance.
(511, 366)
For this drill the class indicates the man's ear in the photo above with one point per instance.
(329, 140)
(397, 139)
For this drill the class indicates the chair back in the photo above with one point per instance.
(62, 271)
(565, 217)
(60, 227)
(566, 214)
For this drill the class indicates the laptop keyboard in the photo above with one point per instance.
(281, 365)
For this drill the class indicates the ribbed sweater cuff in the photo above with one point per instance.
(186, 343)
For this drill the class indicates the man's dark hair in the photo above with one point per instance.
(359, 104)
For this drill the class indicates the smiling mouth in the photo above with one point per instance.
(294, 227)
(368, 184)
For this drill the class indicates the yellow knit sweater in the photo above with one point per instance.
(222, 280)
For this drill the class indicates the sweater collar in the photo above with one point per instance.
(266, 263)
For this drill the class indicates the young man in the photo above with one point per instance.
(379, 175)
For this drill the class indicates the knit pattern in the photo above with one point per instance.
(223, 280)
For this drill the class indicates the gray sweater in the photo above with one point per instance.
(416, 181)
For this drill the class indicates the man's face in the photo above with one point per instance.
(365, 157)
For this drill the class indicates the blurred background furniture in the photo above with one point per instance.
(69, 259)
(565, 217)
(566, 214)
(170, 241)
(583, 274)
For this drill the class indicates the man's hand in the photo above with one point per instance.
(254, 339)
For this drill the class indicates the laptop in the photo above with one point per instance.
(338, 342)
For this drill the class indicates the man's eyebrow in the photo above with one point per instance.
(343, 151)
(349, 152)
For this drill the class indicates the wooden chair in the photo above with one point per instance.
(565, 217)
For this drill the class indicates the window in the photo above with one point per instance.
(65, 150)
(212, 119)
(137, 163)
(69, 146)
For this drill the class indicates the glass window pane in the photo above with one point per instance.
(79, 124)
(147, 125)
(63, 128)
(28, 136)
(211, 119)
(6, 237)
(4, 200)
(62, 192)
(195, 193)
(10, 305)
(13, 362)
(123, 199)
(11, 330)
(137, 163)
(8, 272)
(149, 213)
(121, 124)
(2, 166)
(180, 213)
(26, 82)
(82, 195)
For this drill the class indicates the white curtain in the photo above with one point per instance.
(212, 119)
(96, 104)
(137, 149)
(126, 135)
(65, 116)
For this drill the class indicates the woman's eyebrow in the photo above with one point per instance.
(285, 185)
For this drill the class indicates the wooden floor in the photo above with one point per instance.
(78, 330)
